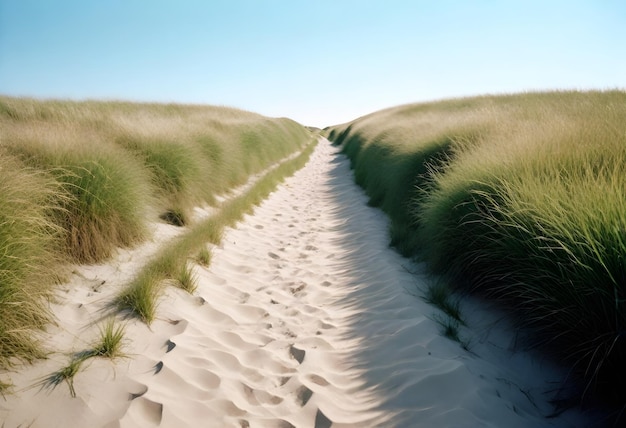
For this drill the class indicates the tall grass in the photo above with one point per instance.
(80, 179)
(529, 208)
(28, 241)
(175, 172)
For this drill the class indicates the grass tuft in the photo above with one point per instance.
(187, 279)
(107, 208)
(110, 342)
(108, 346)
(140, 297)
(65, 374)
(29, 261)
(204, 256)
(5, 388)
(450, 327)
(440, 295)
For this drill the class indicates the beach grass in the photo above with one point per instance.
(521, 198)
(5, 388)
(109, 345)
(187, 279)
(140, 298)
(111, 340)
(65, 374)
(439, 294)
(175, 173)
(80, 179)
(29, 240)
(204, 256)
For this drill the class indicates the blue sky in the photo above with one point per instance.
(320, 62)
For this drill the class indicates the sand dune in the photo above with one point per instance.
(305, 318)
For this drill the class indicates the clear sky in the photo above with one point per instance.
(320, 62)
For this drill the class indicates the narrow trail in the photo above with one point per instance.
(306, 318)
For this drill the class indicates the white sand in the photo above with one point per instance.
(305, 318)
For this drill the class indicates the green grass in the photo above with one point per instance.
(439, 294)
(65, 374)
(141, 296)
(525, 203)
(187, 279)
(80, 179)
(108, 204)
(5, 388)
(110, 342)
(449, 327)
(28, 261)
(204, 256)
(109, 345)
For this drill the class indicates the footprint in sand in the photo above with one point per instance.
(303, 395)
(170, 345)
(318, 380)
(141, 390)
(297, 354)
(297, 287)
(244, 298)
(146, 410)
(321, 421)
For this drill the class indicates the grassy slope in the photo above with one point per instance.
(78, 179)
(521, 197)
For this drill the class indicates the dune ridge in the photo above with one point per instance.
(305, 318)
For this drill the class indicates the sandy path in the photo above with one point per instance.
(306, 318)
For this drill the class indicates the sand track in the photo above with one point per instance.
(306, 318)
